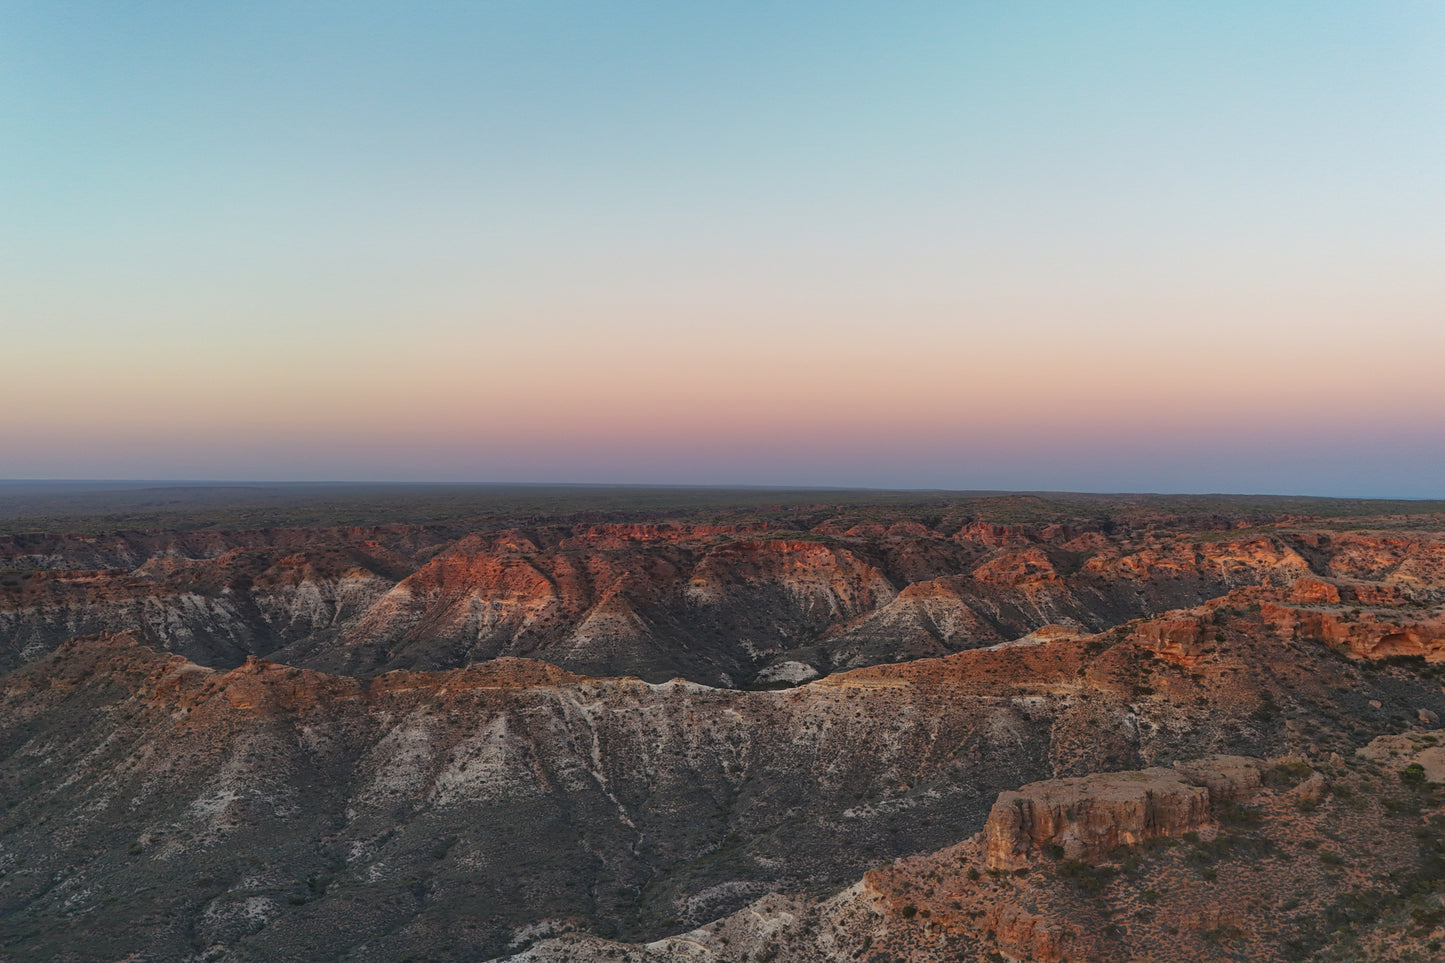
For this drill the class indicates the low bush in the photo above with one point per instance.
(1286, 775)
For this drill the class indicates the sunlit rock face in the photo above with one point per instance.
(1086, 817)
(714, 603)
(829, 740)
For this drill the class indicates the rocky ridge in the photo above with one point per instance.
(373, 743)
(715, 604)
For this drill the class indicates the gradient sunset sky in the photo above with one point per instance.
(1089, 246)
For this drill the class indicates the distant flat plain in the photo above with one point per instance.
(94, 505)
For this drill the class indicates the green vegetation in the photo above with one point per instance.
(1286, 775)
(1090, 879)
(1234, 814)
(1413, 775)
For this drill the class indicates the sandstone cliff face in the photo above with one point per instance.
(1401, 559)
(1228, 564)
(713, 603)
(1181, 638)
(1368, 635)
(1311, 590)
(1089, 817)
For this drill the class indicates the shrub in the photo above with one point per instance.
(1287, 775)
(1400, 807)
(1090, 879)
(1232, 812)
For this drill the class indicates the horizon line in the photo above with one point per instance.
(690, 486)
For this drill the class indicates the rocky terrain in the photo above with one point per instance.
(877, 733)
(755, 603)
(1222, 857)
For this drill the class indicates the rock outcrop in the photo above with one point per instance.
(1088, 817)
(1380, 633)
(1228, 778)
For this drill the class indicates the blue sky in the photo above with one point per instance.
(1122, 246)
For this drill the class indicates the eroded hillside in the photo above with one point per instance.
(455, 744)
(757, 603)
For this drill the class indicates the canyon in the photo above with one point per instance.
(930, 729)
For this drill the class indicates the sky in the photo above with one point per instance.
(1165, 246)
